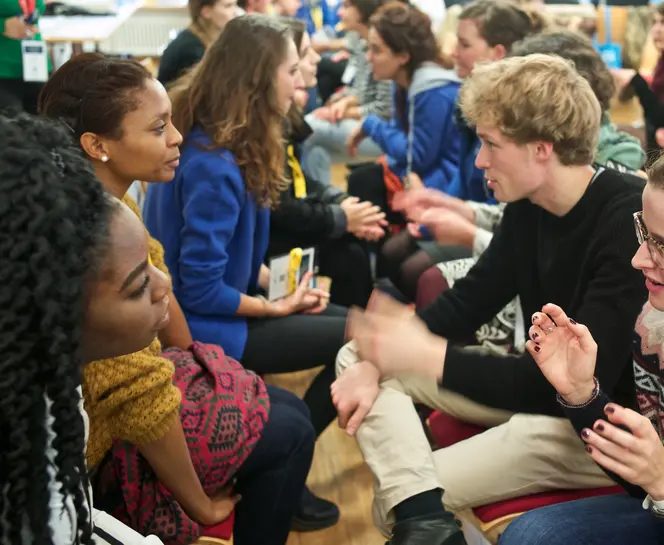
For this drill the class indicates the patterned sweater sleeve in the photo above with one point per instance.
(377, 99)
(487, 216)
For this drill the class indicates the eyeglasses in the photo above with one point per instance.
(655, 247)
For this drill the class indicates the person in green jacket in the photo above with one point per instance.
(19, 20)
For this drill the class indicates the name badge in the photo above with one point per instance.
(611, 55)
(35, 61)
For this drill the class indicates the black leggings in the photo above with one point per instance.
(272, 478)
(298, 342)
(406, 259)
(329, 74)
(367, 183)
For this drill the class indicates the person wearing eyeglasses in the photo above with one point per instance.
(625, 443)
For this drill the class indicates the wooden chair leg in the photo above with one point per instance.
(213, 541)
(492, 529)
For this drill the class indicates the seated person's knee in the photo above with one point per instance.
(429, 286)
(346, 357)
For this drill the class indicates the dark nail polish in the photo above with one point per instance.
(535, 335)
(585, 434)
(609, 409)
(589, 449)
(537, 348)
(572, 321)
(534, 317)
(599, 427)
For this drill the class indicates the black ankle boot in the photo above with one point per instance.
(428, 530)
(314, 513)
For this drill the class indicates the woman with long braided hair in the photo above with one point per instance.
(64, 248)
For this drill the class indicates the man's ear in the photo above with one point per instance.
(497, 52)
(543, 150)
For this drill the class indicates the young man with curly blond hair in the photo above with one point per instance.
(566, 237)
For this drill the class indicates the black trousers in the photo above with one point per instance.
(406, 259)
(329, 76)
(298, 342)
(367, 182)
(18, 95)
(272, 478)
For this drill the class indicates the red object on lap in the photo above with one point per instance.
(448, 430)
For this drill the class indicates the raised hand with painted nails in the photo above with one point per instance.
(565, 353)
(626, 443)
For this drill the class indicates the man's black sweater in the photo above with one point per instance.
(581, 262)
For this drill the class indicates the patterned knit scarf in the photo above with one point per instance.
(649, 365)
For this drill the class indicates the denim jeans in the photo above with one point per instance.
(605, 520)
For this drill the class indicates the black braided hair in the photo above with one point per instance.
(54, 221)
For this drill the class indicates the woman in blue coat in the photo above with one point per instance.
(213, 219)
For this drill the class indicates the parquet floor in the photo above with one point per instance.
(340, 475)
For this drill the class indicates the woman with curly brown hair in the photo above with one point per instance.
(214, 218)
(421, 137)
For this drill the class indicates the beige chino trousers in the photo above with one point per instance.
(520, 454)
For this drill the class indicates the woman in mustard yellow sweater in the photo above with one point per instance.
(171, 430)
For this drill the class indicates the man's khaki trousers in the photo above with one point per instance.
(520, 454)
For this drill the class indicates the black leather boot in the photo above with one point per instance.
(314, 513)
(428, 530)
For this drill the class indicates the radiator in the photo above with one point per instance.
(146, 33)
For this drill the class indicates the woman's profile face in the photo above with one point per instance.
(657, 31)
(221, 12)
(127, 304)
(385, 64)
(149, 147)
(471, 47)
(289, 77)
(309, 60)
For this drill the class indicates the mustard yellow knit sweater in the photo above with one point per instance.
(132, 397)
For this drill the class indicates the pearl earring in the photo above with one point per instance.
(104, 158)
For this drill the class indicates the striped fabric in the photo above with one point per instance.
(110, 531)
(375, 96)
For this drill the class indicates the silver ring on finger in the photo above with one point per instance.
(550, 329)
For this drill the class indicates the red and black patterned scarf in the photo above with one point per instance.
(223, 411)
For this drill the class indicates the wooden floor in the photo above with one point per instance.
(340, 475)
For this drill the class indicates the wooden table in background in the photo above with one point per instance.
(79, 29)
